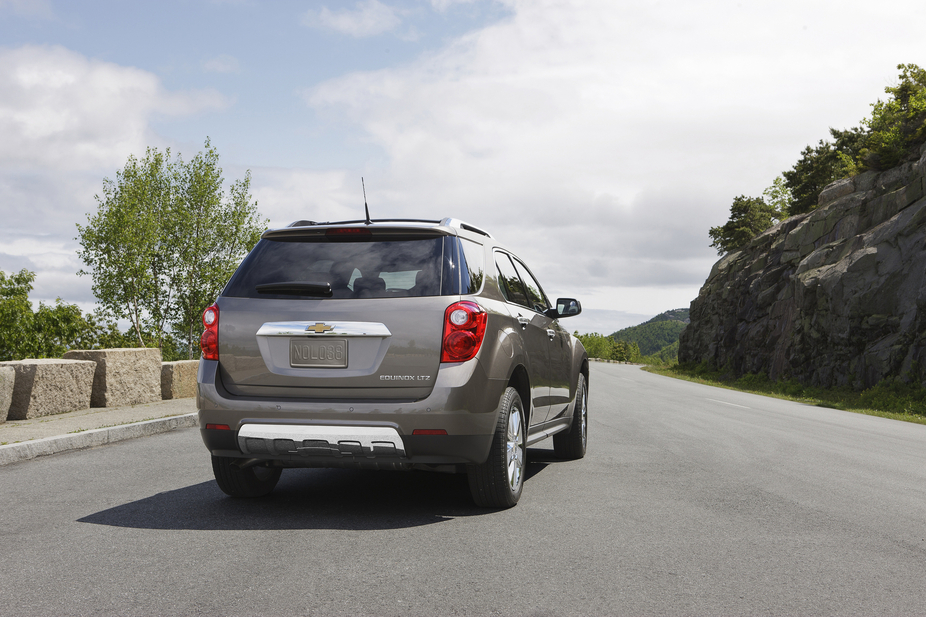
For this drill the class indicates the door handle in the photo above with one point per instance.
(523, 321)
(551, 333)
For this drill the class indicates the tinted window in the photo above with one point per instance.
(472, 266)
(374, 269)
(538, 300)
(509, 281)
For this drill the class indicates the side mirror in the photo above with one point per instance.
(566, 307)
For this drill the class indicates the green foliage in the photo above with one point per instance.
(653, 336)
(15, 313)
(606, 348)
(891, 398)
(896, 396)
(163, 242)
(749, 216)
(49, 331)
(681, 315)
(820, 166)
(897, 126)
(778, 197)
(212, 235)
(893, 134)
(126, 245)
(666, 356)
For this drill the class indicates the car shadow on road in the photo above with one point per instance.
(311, 499)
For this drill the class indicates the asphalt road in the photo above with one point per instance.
(692, 500)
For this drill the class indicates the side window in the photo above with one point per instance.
(538, 300)
(509, 281)
(473, 267)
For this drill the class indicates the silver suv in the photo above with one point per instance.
(387, 344)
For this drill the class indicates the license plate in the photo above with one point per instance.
(323, 353)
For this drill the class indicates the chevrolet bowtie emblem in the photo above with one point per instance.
(319, 328)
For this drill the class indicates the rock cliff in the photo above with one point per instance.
(832, 297)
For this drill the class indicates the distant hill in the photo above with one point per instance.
(655, 335)
(673, 315)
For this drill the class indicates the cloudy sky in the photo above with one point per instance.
(599, 139)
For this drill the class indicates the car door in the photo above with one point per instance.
(533, 329)
(557, 343)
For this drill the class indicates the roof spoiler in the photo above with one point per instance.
(445, 222)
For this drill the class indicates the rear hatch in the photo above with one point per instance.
(338, 313)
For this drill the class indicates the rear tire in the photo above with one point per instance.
(255, 481)
(498, 482)
(571, 445)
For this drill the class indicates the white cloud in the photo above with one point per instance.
(368, 18)
(66, 122)
(443, 5)
(62, 110)
(602, 140)
(222, 63)
(287, 195)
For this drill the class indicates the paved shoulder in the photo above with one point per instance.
(26, 439)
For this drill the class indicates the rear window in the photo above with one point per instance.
(370, 269)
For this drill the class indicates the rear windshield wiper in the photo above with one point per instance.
(296, 288)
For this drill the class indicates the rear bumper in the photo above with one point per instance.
(336, 433)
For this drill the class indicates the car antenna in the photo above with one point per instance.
(366, 208)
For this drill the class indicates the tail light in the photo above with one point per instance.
(464, 329)
(209, 341)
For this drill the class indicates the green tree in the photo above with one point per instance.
(49, 331)
(778, 196)
(653, 335)
(15, 313)
(624, 351)
(211, 234)
(163, 242)
(897, 127)
(821, 165)
(893, 134)
(126, 248)
(606, 348)
(749, 216)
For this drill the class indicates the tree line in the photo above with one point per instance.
(50, 330)
(607, 348)
(891, 135)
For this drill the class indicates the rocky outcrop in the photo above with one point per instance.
(831, 297)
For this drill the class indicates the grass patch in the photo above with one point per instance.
(889, 399)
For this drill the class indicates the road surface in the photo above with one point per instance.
(691, 501)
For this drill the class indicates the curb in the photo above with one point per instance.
(15, 452)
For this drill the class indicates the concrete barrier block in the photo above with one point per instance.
(178, 379)
(49, 386)
(129, 376)
(7, 378)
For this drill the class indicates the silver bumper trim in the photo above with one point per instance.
(307, 440)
